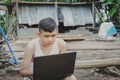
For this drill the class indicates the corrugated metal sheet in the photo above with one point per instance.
(73, 15)
(33, 14)
(77, 15)
(68, 17)
(23, 14)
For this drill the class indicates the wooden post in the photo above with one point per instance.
(56, 8)
(93, 12)
(17, 22)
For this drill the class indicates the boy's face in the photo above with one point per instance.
(47, 38)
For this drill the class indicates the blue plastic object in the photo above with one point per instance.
(14, 61)
(111, 31)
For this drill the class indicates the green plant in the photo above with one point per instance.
(7, 1)
(3, 23)
(114, 9)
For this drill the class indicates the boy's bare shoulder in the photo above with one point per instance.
(61, 42)
(62, 45)
(33, 40)
(31, 43)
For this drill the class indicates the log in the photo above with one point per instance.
(97, 63)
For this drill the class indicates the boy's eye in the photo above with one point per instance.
(50, 36)
(46, 35)
(53, 35)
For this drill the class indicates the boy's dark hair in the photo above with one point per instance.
(47, 24)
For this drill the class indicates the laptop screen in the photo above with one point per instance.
(53, 67)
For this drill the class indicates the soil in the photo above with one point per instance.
(81, 74)
(88, 74)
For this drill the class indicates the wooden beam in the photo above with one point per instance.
(94, 45)
(53, 3)
(72, 38)
(97, 63)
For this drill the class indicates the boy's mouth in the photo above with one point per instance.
(48, 44)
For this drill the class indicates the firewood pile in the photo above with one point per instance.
(6, 67)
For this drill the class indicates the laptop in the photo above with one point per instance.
(54, 67)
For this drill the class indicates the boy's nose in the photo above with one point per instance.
(50, 39)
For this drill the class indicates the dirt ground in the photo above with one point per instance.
(88, 74)
(81, 74)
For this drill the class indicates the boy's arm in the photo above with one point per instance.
(28, 57)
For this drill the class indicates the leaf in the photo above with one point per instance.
(113, 10)
(109, 2)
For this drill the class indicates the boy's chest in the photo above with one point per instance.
(47, 50)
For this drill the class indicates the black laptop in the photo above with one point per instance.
(54, 67)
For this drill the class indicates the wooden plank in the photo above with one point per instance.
(97, 58)
(1, 41)
(97, 63)
(94, 45)
(97, 54)
(75, 45)
(52, 3)
(71, 38)
(65, 37)
(101, 54)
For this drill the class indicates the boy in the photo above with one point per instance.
(45, 44)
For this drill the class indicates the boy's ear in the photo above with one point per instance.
(38, 33)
